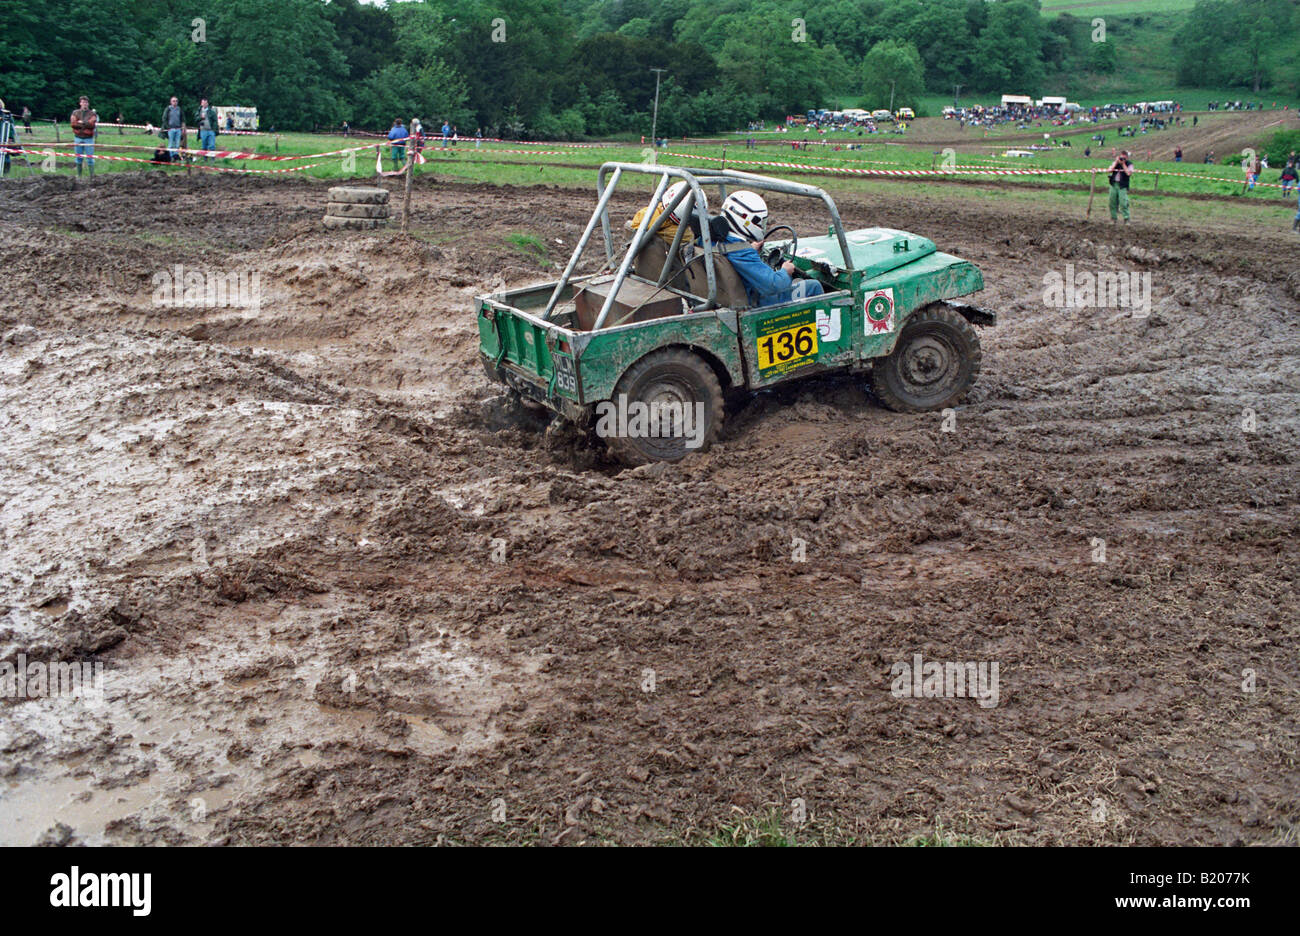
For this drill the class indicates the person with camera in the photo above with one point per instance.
(1118, 172)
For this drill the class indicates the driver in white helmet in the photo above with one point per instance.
(746, 216)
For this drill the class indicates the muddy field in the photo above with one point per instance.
(278, 529)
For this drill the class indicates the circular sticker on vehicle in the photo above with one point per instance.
(880, 311)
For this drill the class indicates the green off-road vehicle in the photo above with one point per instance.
(664, 328)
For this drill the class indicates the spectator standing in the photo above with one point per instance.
(1251, 167)
(1178, 154)
(173, 122)
(1118, 173)
(1289, 178)
(478, 138)
(27, 118)
(83, 122)
(209, 126)
(121, 119)
(230, 123)
(398, 136)
(446, 132)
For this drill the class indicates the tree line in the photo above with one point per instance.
(569, 68)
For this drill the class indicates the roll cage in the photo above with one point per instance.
(648, 228)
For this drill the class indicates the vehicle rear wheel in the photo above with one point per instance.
(934, 364)
(664, 383)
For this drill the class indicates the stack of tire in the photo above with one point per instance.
(356, 208)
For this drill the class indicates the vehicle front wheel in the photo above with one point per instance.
(670, 403)
(933, 365)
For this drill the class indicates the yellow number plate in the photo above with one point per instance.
(788, 348)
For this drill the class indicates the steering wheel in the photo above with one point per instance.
(776, 257)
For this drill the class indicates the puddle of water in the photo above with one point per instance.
(32, 805)
(177, 719)
(27, 810)
(308, 758)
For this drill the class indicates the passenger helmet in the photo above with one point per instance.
(746, 214)
(686, 208)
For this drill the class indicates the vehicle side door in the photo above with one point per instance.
(798, 338)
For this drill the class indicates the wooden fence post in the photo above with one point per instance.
(406, 201)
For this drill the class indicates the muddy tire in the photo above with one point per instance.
(359, 195)
(354, 224)
(669, 376)
(933, 365)
(346, 210)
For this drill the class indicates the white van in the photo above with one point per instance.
(245, 117)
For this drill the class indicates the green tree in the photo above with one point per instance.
(639, 28)
(569, 124)
(28, 60)
(296, 86)
(892, 71)
(1103, 57)
(1248, 43)
(431, 92)
(943, 40)
(1009, 51)
(365, 35)
(512, 54)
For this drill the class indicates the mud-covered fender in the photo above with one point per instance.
(604, 356)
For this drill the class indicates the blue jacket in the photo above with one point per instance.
(764, 286)
(398, 133)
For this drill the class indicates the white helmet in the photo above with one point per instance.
(746, 214)
(686, 208)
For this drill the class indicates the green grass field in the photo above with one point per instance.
(517, 164)
(1114, 7)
